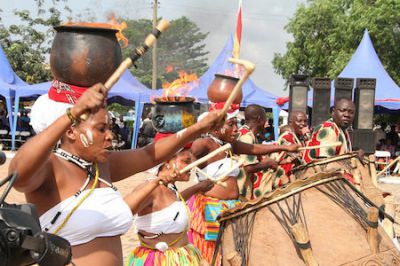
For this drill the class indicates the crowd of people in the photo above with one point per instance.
(387, 138)
(67, 170)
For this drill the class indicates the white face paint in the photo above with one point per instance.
(84, 140)
(180, 133)
(89, 136)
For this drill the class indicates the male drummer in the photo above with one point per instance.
(254, 167)
(333, 130)
(297, 133)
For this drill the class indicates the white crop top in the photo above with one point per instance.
(170, 220)
(103, 213)
(220, 169)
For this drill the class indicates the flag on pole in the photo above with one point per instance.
(238, 35)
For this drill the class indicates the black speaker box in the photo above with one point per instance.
(364, 139)
(344, 88)
(321, 100)
(298, 88)
(364, 98)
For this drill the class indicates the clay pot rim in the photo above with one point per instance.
(186, 100)
(227, 77)
(72, 28)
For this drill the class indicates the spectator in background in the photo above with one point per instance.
(4, 125)
(125, 130)
(147, 131)
(392, 136)
(380, 134)
(115, 129)
(23, 122)
(120, 121)
(269, 130)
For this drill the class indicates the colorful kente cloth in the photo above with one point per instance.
(253, 185)
(248, 182)
(204, 227)
(281, 175)
(326, 133)
(187, 255)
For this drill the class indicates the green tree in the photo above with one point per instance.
(181, 47)
(327, 32)
(27, 45)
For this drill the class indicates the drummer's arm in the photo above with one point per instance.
(33, 161)
(129, 162)
(260, 149)
(266, 163)
(142, 196)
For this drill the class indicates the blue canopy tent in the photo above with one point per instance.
(365, 63)
(8, 81)
(127, 87)
(251, 93)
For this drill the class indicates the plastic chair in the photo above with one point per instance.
(385, 155)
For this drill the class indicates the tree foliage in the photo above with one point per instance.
(180, 48)
(327, 32)
(26, 45)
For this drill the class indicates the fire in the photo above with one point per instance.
(180, 87)
(120, 27)
(113, 24)
(169, 69)
(236, 73)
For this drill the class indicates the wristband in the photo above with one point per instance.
(74, 121)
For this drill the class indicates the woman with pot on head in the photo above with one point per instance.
(163, 216)
(72, 186)
(206, 207)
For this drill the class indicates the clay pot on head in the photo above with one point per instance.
(84, 56)
(221, 87)
(172, 116)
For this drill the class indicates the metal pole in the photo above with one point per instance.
(154, 55)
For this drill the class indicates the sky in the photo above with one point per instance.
(263, 32)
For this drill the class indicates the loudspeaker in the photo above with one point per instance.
(364, 98)
(321, 100)
(344, 88)
(298, 88)
(364, 139)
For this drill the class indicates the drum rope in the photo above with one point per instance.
(218, 242)
(293, 217)
(242, 230)
(337, 192)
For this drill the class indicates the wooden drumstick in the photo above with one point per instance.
(139, 51)
(333, 144)
(249, 68)
(205, 158)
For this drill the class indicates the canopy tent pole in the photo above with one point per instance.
(14, 125)
(138, 115)
(275, 113)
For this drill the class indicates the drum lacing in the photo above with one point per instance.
(338, 193)
(294, 215)
(242, 229)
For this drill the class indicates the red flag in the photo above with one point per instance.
(238, 35)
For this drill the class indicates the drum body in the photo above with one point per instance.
(333, 216)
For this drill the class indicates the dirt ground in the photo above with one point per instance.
(129, 240)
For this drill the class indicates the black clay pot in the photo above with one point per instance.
(170, 116)
(84, 56)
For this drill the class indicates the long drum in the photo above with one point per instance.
(320, 220)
